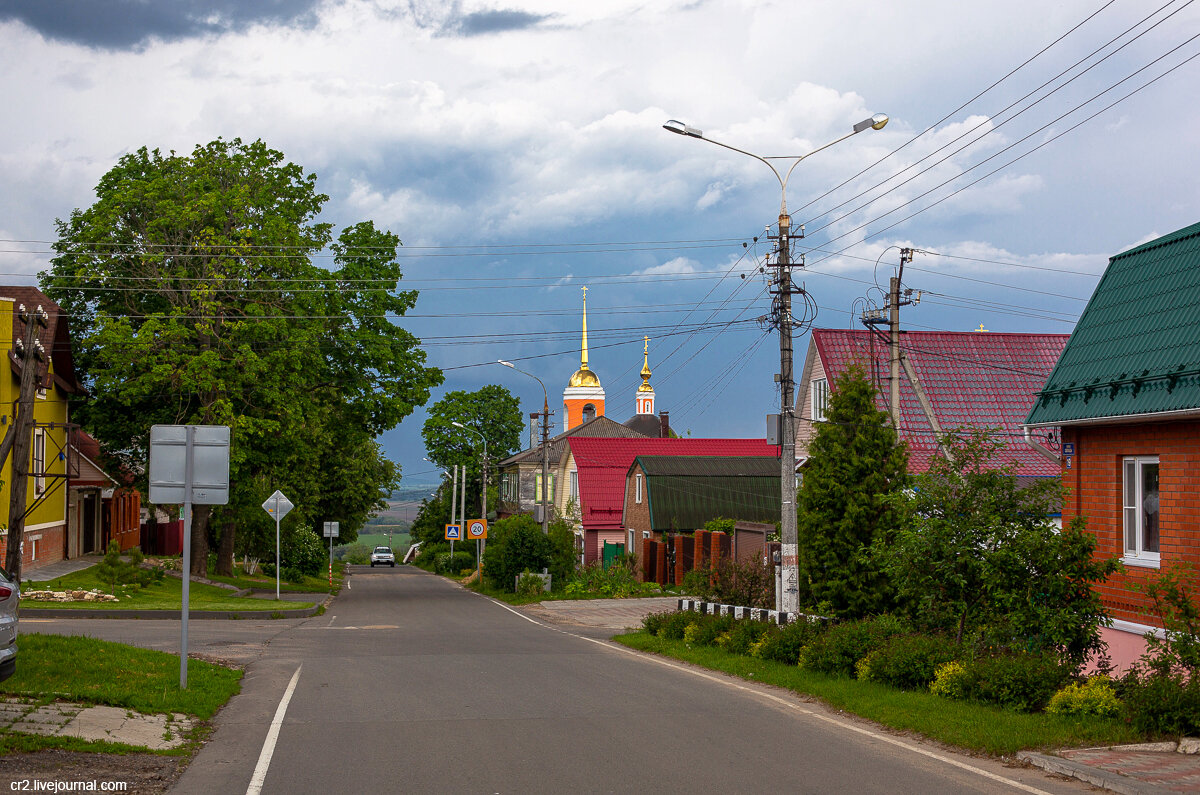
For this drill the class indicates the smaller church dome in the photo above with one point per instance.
(584, 377)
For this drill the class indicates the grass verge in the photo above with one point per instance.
(165, 595)
(554, 596)
(92, 671)
(317, 584)
(974, 727)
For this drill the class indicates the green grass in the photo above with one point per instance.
(92, 671)
(978, 728)
(511, 598)
(399, 542)
(317, 584)
(165, 595)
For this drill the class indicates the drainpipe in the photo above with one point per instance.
(1050, 455)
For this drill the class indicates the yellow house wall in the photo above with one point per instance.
(49, 518)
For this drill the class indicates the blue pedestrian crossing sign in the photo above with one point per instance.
(453, 532)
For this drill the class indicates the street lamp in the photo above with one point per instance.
(545, 441)
(790, 601)
(483, 500)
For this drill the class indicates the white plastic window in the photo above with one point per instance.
(1139, 504)
(820, 399)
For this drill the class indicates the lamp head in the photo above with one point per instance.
(682, 129)
(457, 424)
(876, 122)
(506, 364)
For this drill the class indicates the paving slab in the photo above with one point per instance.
(113, 724)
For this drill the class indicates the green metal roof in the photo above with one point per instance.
(685, 492)
(1136, 348)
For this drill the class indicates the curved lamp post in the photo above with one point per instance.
(790, 559)
(545, 441)
(483, 501)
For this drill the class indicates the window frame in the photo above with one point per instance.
(820, 399)
(1133, 513)
(38, 461)
(537, 488)
(637, 488)
(573, 493)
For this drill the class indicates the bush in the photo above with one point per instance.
(787, 643)
(746, 583)
(908, 662)
(837, 651)
(706, 631)
(743, 636)
(530, 584)
(1095, 696)
(357, 554)
(292, 575)
(672, 626)
(452, 565)
(1024, 682)
(268, 569)
(303, 550)
(618, 580)
(950, 681)
(1162, 701)
(516, 545)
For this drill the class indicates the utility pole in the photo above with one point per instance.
(894, 304)
(790, 551)
(545, 463)
(17, 440)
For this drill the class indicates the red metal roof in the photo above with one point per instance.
(603, 464)
(972, 379)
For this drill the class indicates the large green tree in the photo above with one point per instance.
(195, 297)
(490, 412)
(854, 463)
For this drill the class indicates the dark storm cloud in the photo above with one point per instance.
(125, 24)
(482, 23)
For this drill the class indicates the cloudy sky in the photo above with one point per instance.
(517, 148)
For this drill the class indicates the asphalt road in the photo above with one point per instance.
(412, 684)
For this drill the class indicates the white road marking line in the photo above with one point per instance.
(784, 702)
(331, 620)
(264, 758)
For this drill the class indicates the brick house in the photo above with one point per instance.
(673, 493)
(604, 464)
(1126, 394)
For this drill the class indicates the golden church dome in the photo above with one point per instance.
(584, 377)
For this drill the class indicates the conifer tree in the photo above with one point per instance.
(855, 461)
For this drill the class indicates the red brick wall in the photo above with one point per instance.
(637, 515)
(49, 549)
(1094, 492)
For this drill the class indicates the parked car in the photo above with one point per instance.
(10, 598)
(383, 555)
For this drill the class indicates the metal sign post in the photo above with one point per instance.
(331, 532)
(188, 464)
(278, 506)
(477, 529)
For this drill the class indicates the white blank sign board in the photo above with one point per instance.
(210, 464)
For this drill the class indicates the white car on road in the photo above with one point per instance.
(382, 555)
(10, 598)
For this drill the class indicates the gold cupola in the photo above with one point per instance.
(583, 399)
(583, 376)
(645, 387)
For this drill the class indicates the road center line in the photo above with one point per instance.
(786, 703)
(268, 750)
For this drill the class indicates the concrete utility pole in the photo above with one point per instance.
(782, 317)
(545, 441)
(17, 440)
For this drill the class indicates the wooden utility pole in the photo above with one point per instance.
(17, 439)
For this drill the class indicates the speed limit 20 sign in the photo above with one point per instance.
(476, 529)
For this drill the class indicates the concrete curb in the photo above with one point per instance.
(67, 612)
(1104, 779)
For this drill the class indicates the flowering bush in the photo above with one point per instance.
(1095, 696)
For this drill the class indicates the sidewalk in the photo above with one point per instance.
(60, 569)
(65, 719)
(1130, 769)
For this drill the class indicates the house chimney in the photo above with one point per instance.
(664, 425)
